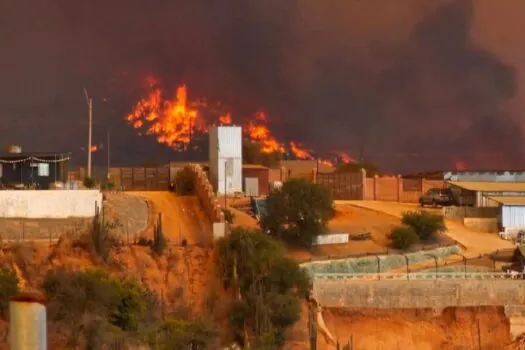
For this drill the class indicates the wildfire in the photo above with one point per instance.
(299, 152)
(345, 158)
(259, 132)
(94, 148)
(171, 121)
(174, 121)
(460, 165)
(225, 119)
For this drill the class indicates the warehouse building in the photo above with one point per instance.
(512, 212)
(479, 193)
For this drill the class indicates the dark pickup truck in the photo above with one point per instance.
(438, 197)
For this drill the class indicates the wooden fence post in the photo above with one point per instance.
(399, 187)
(375, 187)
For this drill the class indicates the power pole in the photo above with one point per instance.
(108, 158)
(90, 129)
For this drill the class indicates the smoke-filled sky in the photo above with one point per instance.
(408, 84)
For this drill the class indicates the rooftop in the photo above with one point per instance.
(489, 186)
(509, 200)
(34, 154)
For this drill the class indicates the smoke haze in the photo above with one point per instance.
(407, 86)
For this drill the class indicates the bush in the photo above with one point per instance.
(8, 288)
(228, 215)
(403, 237)
(89, 182)
(184, 182)
(425, 224)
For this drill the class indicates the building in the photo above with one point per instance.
(479, 193)
(225, 154)
(22, 170)
(255, 180)
(512, 212)
(304, 168)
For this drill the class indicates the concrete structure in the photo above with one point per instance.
(436, 294)
(59, 204)
(255, 180)
(225, 155)
(497, 176)
(27, 323)
(512, 212)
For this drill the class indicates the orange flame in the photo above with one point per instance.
(345, 158)
(460, 165)
(298, 152)
(171, 121)
(225, 119)
(259, 132)
(327, 163)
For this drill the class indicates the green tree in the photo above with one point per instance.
(183, 334)
(425, 224)
(229, 216)
(270, 284)
(8, 288)
(76, 299)
(298, 211)
(403, 237)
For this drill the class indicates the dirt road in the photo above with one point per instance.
(182, 217)
(476, 243)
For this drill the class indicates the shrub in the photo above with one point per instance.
(403, 237)
(8, 288)
(89, 182)
(425, 224)
(228, 215)
(184, 182)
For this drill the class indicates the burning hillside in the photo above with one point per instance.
(174, 121)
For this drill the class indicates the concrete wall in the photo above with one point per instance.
(397, 189)
(50, 204)
(487, 225)
(437, 294)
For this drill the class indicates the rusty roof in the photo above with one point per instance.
(489, 186)
(509, 200)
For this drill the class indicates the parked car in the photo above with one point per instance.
(438, 196)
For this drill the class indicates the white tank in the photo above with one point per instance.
(27, 324)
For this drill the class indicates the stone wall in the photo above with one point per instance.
(437, 294)
(204, 191)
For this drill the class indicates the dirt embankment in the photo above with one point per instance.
(455, 329)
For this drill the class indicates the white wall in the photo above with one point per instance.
(332, 238)
(54, 204)
(513, 217)
(226, 146)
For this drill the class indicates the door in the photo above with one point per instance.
(251, 186)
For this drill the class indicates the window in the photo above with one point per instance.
(43, 169)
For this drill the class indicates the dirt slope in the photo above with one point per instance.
(182, 217)
(476, 243)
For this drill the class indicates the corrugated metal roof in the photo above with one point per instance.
(489, 186)
(253, 166)
(509, 200)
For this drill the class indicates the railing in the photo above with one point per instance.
(419, 276)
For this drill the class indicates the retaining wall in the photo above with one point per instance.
(437, 294)
(49, 204)
(482, 224)
(204, 191)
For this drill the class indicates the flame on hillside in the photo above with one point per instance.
(172, 121)
(258, 131)
(460, 165)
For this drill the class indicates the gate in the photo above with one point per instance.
(143, 178)
(347, 186)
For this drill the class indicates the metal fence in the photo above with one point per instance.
(419, 276)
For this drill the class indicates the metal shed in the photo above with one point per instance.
(512, 211)
(479, 193)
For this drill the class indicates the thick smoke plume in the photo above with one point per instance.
(399, 83)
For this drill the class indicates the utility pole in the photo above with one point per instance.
(108, 158)
(90, 128)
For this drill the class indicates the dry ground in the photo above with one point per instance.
(182, 217)
(474, 243)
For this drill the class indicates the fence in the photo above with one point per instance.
(146, 178)
(471, 212)
(407, 276)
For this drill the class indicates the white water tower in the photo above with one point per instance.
(226, 159)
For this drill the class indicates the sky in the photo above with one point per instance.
(408, 84)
